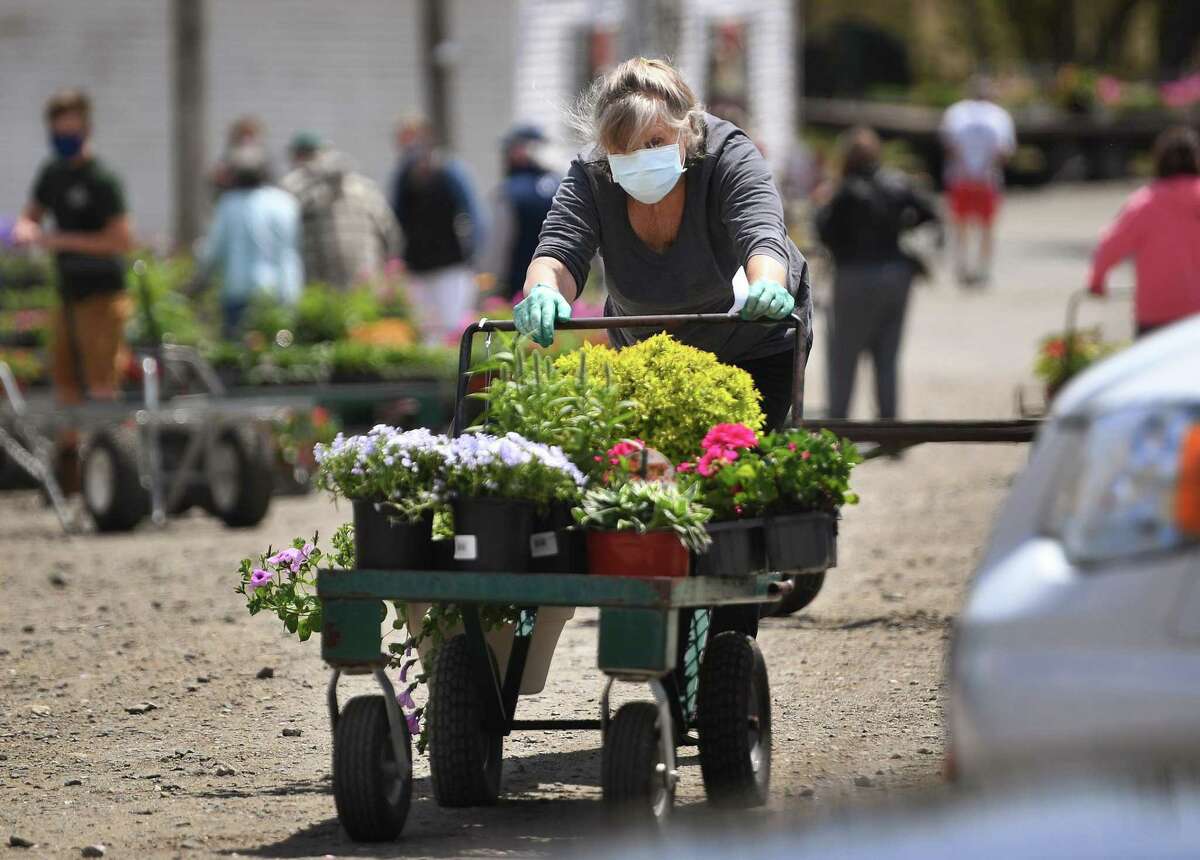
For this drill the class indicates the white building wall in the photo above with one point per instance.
(117, 50)
(346, 71)
(545, 72)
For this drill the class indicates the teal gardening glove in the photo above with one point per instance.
(539, 311)
(765, 298)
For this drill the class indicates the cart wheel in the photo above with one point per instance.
(464, 760)
(637, 787)
(733, 715)
(805, 588)
(112, 487)
(371, 789)
(240, 479)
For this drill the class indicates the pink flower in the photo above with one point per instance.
(804, 455)
(1108, 90)
(598, 459)
(624, 448)
(730, 436)
(791, 446)
(685, 467)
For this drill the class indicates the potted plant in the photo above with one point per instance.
(395, 481)
(1061, 357)
(737, 483)
(642, 528)
(811, 472)
(498, 484)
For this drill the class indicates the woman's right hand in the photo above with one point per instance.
(539, 311)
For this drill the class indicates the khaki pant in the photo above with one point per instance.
(97, 350)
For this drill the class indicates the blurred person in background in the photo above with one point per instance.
(861, 225)
(348, 231)
(679, 204)
(254, 240)
(519, 207)
(1159, 227)
(443, 230)
(92, 233)
(979, 138)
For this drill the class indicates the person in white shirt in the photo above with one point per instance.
(979, 138)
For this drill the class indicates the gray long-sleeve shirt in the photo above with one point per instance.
(732, 213)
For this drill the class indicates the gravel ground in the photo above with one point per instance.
(131, 715)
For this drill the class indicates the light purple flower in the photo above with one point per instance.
(291, 558)
(405, 669)
(404, 697)
(259, 578)
(414, 723)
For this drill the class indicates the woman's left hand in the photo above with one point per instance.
(768, 299)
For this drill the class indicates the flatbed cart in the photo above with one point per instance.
(186, 441)
(686, 638)
(690, 640)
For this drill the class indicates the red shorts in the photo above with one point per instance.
(973, 201)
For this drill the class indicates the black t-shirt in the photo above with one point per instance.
(83, 198)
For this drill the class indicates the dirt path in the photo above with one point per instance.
(92, 628)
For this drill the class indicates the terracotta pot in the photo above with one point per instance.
(655, 553)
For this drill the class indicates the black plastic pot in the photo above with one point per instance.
(492, 534)
(738, 549)
(384, 543)
(802, 543)
(557, 545)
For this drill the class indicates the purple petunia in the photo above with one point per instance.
(259, 578)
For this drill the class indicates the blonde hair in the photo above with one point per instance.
(621, 106)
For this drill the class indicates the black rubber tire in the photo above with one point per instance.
(465, 761)
(733, 716)
(255, 481)
(634, 790)
(128, 502)
(805, 588)
(371, 790)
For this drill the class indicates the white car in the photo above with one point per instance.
(1080, 640)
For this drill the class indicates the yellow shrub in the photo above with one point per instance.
(681, 391)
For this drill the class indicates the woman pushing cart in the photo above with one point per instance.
(682, 208)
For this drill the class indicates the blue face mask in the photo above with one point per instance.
(648, 175)
(66, 145)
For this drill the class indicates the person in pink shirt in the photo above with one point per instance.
(1159, 227)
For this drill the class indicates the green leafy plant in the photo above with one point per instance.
(162, 305)
(680, 391)
(26, 366)
(1061, 357)
(547, 402)
(811, 469)
(643, 506)
(740, 475)
(284, 583)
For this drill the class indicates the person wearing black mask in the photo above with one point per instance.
(519, 207)
(92, 233)
(861, 226)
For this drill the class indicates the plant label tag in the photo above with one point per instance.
(543, 544)
(465, 548)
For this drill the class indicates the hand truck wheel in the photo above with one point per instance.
(733, 716)
(639, 787)
(240, 479)
(465, 760)
(371, 789)
(111, 483)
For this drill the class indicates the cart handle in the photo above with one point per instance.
(665, 322)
